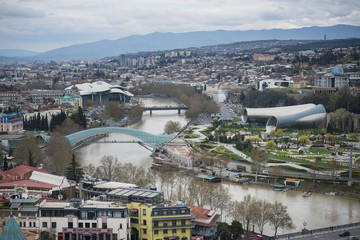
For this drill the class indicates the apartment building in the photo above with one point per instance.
(167, 221)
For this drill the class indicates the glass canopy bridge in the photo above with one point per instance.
(145, 139)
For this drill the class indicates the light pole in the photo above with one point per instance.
(350, 167)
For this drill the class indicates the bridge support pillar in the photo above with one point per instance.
(150, 112)
(179, 111)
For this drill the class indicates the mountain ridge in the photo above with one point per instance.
(157, 41)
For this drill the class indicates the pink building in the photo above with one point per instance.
(11, 123)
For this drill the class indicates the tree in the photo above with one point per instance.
(172, 127)
(59, 152)
(258, 160)
(28, 151)
(341, 119)
(270, 144)
(236, 229)
(279, 132)
(224, 231)
(243, 211)
(304, 139)
(107, 166)
(334, 166)
(68, 126)
(74, 171)
(261, 214)
(279, 217)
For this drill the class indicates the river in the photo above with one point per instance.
(318, 210)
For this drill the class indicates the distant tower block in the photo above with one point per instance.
(324, 37)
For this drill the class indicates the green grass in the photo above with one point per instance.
(319, 151)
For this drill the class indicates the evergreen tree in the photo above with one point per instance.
(74, 171)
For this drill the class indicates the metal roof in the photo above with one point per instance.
(12, 231)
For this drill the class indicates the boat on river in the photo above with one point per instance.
(280, 188)
(331, 193)
(306, 193)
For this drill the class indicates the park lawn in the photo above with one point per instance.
(319, 151)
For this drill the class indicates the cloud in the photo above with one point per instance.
(58, 22)
(17, 11)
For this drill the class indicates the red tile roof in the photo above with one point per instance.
(28, 183)
(203, 214)
(22, 170)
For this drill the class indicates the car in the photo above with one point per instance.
(353, 238)
(344, 233)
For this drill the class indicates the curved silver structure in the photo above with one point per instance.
(299, 115)
(263, 114)
(305, 118)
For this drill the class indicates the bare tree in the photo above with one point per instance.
(244, 211)
(28, 151)
(172, 127)
(108, 166)
(334, 166)
(258, 160)
(262, 214)
(279, 217)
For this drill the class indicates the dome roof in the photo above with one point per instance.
(337, 70)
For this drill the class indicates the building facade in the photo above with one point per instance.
(91, 220)
(11, 123)
(161, 221)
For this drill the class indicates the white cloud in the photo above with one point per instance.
(43, 24)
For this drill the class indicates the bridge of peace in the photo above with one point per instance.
(87, 136)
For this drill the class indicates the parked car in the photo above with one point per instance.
(344, 233)
(353, 238)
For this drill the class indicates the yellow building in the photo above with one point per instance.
(161, 221)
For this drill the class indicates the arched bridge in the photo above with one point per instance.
(79, 138)
(179, 108)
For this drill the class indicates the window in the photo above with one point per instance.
(44, 224)
(174, 222)
(104, 225)
(165, 212)
(81, 225)
(70, 225)
(183, 211)
(156, 231)
(144, 231)
(183, 230)
(144, 212)
(165, 231)
(174, 231)
(93, 225)
(173, 212)
(144, 222)
(183, 222)
(53, 224)
(87, 225)
(155, 213)
(20, 223)
(156, 224)
(165, 223)
(120, 226)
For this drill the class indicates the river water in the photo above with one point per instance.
(318, 210)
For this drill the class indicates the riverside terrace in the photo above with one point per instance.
(123, 192)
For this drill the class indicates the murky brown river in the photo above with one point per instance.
(318, 210)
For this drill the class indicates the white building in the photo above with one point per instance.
(84, 220)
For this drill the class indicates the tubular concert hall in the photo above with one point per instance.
(102, 92)
(290, 116)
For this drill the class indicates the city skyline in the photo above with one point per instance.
(42, 25)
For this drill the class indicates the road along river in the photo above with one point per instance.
(318, 210)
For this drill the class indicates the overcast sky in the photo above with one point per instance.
(41, 25)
